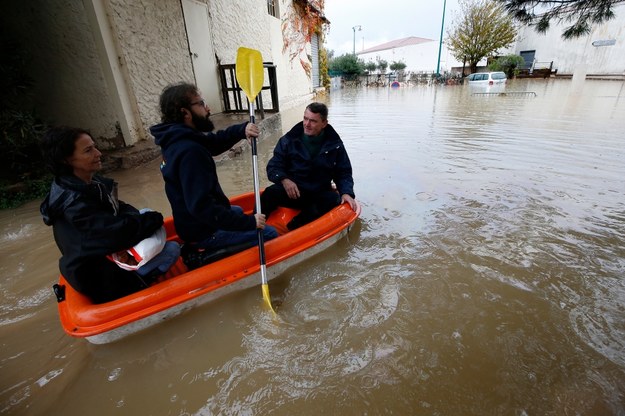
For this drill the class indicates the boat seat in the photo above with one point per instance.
(195, 258)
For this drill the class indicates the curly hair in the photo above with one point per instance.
(174, 98)
(57, 145)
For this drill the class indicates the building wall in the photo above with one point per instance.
(291, 53)
(69, 86)
(147, 48)
(153, 44)
(579, 54)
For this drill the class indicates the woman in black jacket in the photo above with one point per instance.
(88, 220)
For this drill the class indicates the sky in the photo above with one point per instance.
(384, 21)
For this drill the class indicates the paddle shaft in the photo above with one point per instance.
(261, 238)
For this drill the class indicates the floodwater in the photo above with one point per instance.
(485, 277)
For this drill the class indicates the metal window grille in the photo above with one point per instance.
(271, 7)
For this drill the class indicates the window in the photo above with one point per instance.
(272, 8)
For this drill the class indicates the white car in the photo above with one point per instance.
(487, 78)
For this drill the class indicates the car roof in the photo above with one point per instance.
(491, 75)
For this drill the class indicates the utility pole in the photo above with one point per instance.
(440, 45)
(359, 29)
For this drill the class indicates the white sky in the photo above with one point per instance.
(383, 21)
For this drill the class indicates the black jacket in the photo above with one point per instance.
(199, 205)
(88, 221)
(291, 160)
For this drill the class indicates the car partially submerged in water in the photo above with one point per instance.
(487, 78)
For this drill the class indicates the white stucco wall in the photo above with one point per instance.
(154, 47)
(569, 56)
(295, 86)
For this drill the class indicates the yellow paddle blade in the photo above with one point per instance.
(250, 72)
(266, 297)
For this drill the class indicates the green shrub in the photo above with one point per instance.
(347, 65)
(509, 64)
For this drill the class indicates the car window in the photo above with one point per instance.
(499, 75)
(483, 77)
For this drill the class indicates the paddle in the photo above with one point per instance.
(250, 76)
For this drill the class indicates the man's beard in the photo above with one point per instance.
(202, 123)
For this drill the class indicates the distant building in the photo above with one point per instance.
(419, 54)
(601, 53)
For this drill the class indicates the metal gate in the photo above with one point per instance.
(314, 43)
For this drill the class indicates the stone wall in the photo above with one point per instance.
(154, 45)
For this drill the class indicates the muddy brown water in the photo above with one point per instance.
(485, 276)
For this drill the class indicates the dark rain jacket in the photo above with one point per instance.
(88, 221)
(291, 160)
(199, 205)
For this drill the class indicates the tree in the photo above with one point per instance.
(382, 65)
(347, 65)
(582, 13)
(509, 64)
(397, 66)
(483, 28)
(371, 66)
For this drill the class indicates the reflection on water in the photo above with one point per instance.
(484, 277)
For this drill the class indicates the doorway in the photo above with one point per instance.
(528, 57)
(202, 53)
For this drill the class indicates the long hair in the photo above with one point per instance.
(57, 145)
(174, 98)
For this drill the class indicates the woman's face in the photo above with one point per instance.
(85, 161)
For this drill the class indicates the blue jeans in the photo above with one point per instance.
(224, 238)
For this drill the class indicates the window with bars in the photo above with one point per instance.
(272, 8)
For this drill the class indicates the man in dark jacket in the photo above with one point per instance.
(202, 213)
(306, 162)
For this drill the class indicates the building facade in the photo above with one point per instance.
(101, 64)
(601, 53)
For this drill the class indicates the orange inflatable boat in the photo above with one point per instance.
(183, 290)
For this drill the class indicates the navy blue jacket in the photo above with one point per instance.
(291, 160)
(199, 205)
(88, 221)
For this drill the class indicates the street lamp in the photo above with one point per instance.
(354, 29)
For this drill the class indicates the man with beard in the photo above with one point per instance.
(203, 216)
